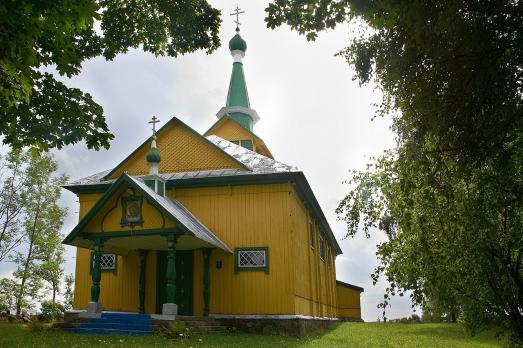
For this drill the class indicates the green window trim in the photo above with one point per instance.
(104, 269)
(311, 235)
(322, 248)
(246, 143)
(239, 268)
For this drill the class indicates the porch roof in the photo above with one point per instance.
(173, 209)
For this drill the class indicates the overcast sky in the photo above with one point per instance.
(313, 116)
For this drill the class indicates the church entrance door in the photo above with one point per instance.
(184, 281)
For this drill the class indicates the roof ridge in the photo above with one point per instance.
(236, 147)
(183, 124)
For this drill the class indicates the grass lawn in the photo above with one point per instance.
(345, 335)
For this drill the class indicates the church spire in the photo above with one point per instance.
(237, 105)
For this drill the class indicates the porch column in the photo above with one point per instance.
(170, 308)
(141, 291)
(96, 274)
(206, 280)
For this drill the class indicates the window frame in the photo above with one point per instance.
(321, 247)
(112, 270)
(312, 235)
(237, 267)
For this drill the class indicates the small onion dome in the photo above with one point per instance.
(153, 156)
(237, 43)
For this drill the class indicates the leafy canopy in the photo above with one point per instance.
(450, 195)
(38, 110)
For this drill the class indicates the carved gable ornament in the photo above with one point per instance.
(132, 211)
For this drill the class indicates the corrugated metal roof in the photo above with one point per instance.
(258, 164)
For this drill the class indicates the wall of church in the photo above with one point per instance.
(297, 282)
(119, 288)
(182, 151)
(349, 306)
(245, 216)
(314, 278)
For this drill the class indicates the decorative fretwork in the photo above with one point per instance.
(253, 259)
(108, 262)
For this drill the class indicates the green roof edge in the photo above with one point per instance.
(123, 178)
(302, 186)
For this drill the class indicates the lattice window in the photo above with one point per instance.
(108, 262)
(311, 234)
(254, 259)
(322, 248)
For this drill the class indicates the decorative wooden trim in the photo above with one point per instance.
(130, 233)
(237, 268)
(103, 270)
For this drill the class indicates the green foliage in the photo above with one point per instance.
(40, 254)
(8, 291)
(69, 292)
(51, 311)
(13, 177)
(175, 329)
(37, 326)
(39, 111)
(449, 196)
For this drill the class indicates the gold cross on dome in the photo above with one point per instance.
(237, 12)
(154, 121)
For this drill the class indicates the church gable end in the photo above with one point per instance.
(228, 129)
(182, 149)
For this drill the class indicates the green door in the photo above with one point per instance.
(184, 281)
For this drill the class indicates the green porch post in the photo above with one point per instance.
(206, 280)
(141, 291)
(170, 307)
(96, 272)
(94, 307)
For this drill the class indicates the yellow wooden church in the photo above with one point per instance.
(207, 225)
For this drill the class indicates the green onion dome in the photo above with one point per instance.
(153, 156)
(237, 43)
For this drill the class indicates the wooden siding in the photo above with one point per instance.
(181, 151)
(314, 281)
(270, 215)
(348, 302)
(119, 289)
(245, 216)
(230, 130)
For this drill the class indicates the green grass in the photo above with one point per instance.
(345, 335)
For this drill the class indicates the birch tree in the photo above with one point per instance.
(42, 221)
(13, 180)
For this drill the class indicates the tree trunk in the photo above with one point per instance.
(54, 292)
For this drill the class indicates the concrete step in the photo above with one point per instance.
(192, 318)
(115, 326)
(201, 323)
(209, 328)
(97, 331)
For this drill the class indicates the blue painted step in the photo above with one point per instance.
(117, 323)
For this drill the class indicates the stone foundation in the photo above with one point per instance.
(289, 325)
(297, 326)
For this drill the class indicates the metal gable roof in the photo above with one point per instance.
(174, 209)
(258, 169)
(183, 215)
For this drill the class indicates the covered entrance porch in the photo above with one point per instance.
(161, 258)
